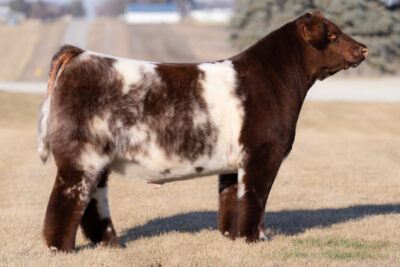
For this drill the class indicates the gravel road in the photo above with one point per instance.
(345, 89)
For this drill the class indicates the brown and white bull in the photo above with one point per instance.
(164, 122)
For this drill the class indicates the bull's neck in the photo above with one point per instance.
(279, 58)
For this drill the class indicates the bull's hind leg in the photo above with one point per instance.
(96, 220)
(227, 215)
(68, 200)
(75, 184)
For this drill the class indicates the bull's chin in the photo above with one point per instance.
(354, 64)
(325, 73)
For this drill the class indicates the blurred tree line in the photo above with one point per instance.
(371, 22)
(44, 10)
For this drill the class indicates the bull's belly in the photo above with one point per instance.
(174, 170)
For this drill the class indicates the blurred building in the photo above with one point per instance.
(219, 11)
(4, 12)
(152, 13)
(9, 16)
(211, 10)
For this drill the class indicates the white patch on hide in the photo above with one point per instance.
(225, 108)
(241, 186)
(81, 190)
(200, 117)
(263, 236)
(85, 55)
(99, 125)
(91, 160)
(134, 72)
(100, 195)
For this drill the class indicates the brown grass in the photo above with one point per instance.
(335, 201)
(181, 42)
(207, 42)
(109, 36)
(27, 47)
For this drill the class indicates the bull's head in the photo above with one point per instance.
(328, 49)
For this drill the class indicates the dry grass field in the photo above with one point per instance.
(181, 42)
(335, 201)
(26, 49)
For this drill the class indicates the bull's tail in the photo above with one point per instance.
(59, 61)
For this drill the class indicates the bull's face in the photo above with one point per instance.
(328, 48)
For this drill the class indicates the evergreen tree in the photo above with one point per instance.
(76, 9)
(369, 21)
(20, 6)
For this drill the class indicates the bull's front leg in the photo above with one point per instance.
(255, 180)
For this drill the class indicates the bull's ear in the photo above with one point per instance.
(306, 32)
(314, 13)
(313, 30)
(307, 22)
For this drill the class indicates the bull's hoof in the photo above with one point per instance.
(113, 243)
(256, 238)
(55, 250)
(263, 236)
(231, 235)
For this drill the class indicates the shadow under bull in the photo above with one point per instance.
(287, 222)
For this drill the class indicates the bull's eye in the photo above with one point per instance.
(332, 36)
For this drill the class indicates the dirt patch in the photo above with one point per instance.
(335, 201)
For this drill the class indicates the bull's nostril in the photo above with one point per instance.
(364, 51)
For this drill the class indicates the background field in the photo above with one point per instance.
(334, 202)
(336, 199)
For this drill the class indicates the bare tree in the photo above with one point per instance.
(111, 7)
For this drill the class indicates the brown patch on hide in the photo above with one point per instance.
(166, 171)
(199, 169)
(169, 108)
